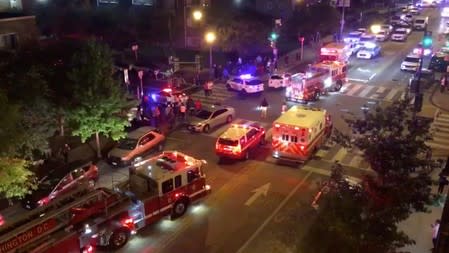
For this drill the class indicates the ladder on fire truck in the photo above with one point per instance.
(58, 215)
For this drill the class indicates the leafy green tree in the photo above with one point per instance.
(15, 177)
(99, 97)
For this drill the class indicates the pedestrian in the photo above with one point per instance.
(190, 105)
(284, 107)
(65, 152)
(198, 105)
(264, 108)
(182, 111)
(210, 85)
(435, 228)
(442, 182)
(206, 89)
(156, 116)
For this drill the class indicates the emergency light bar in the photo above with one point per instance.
(245, 76)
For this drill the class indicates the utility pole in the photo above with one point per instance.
(343, 4)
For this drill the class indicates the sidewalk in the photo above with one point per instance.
(440, 100)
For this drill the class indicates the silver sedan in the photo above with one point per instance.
(210, 117)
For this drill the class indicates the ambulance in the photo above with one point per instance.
(300, 132)
(337, 52)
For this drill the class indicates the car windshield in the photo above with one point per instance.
(276, 77)
(411, 59)
(366, 39)
(367, 49)
(419, 21)
(203, 114)
(237, 80)
(400, 32)
(128, 144)
(254, 82)
(227, 142)
(381, 33)
(48, 184)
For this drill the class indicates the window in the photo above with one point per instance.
(193, 174)
(77, 173)
(218, 112)
(178, 181)
(251, 134)
(285, 137)
(147, 138)
(167, 186)
(294, 139)
(236, 80)
(321, 125)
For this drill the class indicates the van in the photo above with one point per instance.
(420, 23)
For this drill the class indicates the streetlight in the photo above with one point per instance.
(210, 38)
(197, 15)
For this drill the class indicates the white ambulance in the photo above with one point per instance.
(299, 132)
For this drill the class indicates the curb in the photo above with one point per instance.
(433, 103)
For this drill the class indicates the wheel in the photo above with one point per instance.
(91, 183)
(316, 96)
(338, 85)
(206, 128)
(179, 209)
(229, 119)
(262, 140)
(119, 238)
(160, 147)
(246, 157)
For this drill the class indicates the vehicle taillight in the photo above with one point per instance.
(237, 149)
(128, 222)
(88, 249)
(43, 201)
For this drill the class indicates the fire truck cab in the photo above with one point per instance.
(336, 52)
(299, 132)
(239, 140)
(336, 74)
(306, 87)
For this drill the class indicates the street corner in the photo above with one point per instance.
(361, 75)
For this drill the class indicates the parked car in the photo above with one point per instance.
(210, 117)
(136, 144)
(60, 181)
(439, 62)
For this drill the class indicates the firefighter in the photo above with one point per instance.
(264, 108)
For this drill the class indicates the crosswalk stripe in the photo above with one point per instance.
(342, 152)
(366, 91)
(392, 94)
(381, 89)
(356, 88)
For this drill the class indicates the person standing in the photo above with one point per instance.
(156, 116)
(190, 105)
(205, 88)
(198, 105)
(264, 108)
(65, 153)
(442, 182)
(435, 228)
(182, 111)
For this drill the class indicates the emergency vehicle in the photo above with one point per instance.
(299, 132)
(162, 185)
(336, 71)
(336, 52)
(306, 87)
(239, 140)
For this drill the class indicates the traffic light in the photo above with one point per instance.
(418, 102)
(274, 36)
(427, 41)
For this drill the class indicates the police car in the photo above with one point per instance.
(400, 34)
(366, 40)
(246, 84)
(370, 51)
(239, 140)
(352, 37)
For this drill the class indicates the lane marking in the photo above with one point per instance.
(265, 223)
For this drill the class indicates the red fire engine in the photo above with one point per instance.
(306, 87)
(162, 185)
(299, 132)
(336, 72)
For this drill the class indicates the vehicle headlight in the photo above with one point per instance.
(200, 124)
(328, 82)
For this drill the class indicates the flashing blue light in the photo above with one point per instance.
(246, 76)
(153, 97)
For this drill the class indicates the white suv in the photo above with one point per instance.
(399, 34)
(411, 62)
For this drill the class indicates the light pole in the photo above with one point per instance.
(210, 38)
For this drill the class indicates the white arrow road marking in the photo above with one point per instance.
(263, 190)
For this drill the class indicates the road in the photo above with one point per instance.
(238, 218)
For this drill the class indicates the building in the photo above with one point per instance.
(16, 5)
(17, 31)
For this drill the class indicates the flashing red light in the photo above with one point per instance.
(302, 147)
(128, 222)
(277, 125)
(89, 249)
(43, 201)
(167, 90)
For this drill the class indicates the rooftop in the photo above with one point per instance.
(305, 117)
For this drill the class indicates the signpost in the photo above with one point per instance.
(301, 40)
(343, 4)
(140, 93)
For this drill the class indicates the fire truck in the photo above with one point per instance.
(163, 185)
(336, 74)
(306, 87)
(299, 132)
(336, 52)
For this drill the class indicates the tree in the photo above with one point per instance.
(364, 217)
(15, 177)
(98, 96)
